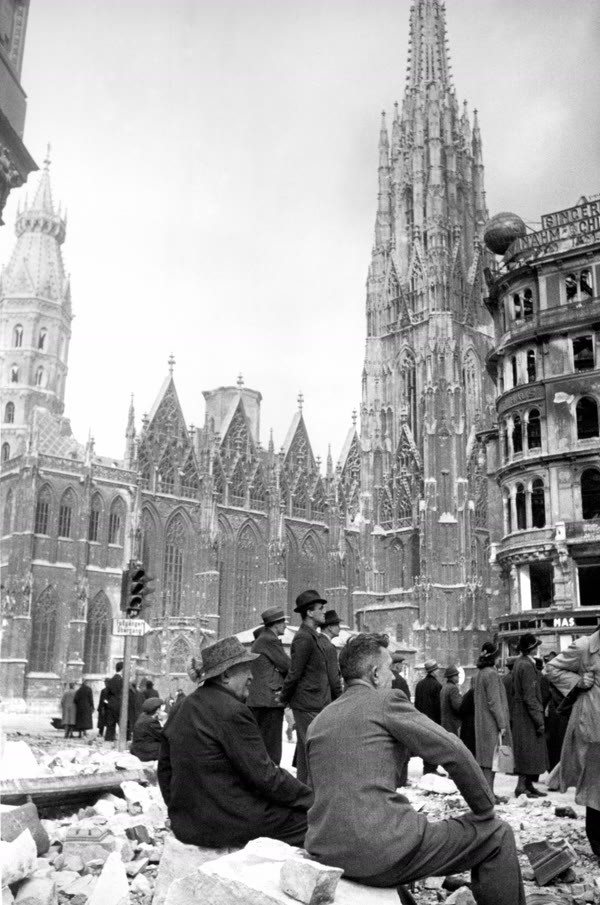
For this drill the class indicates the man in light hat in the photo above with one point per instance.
(427, 700)
(268, 672)
(450, 701)
(220, 786)
(528, 726)
(306, 687)
(330, 630)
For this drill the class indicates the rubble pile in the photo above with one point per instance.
(20, 761)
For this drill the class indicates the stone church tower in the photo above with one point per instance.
(425, 394)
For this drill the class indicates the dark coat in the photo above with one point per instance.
(147, 736)
(269, 671)
(529, 740)
(467, 721)
(400, 684)
(356, 748)
(306, 686)
(102, 708)
(215, 775)
(138, 703)
(507, 681)
(427, 698)
(333, 666)
(450, 701)
(84, 707)
(115, 690)
(69, 712)
(491, 711)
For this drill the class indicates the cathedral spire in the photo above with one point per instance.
(383, 222)
(428, 54)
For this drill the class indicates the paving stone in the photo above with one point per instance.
(18, 858)
(112, 887)
(309, 882)
(37, 892)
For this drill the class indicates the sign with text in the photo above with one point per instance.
(136, 627)
(574, 226)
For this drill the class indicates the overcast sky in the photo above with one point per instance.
(219, 165)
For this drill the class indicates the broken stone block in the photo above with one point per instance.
(7, 896)
(138, 833)
(441, 785)
(64, 878)
(128, 762)
(462, 896)
(309, 882)
(17, 818)
(37, 892)
(89, 843)
(141, 885)
(134, 867)
(112, 887)
(104, 808)
(82, 886)
(73, 861)
(18, 858)
(125, 848)
(433, 883)
(179, 859)
(566, 812)
(548, 861)
(137, 797)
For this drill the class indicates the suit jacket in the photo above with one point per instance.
(333, 666)
(356, 749)
(215, 775)
(269, 671)
(115, 691)
(450, 700)
(306, 686)
(400, 684)
(427, 698)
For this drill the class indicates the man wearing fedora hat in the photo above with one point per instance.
(330, 630)
(268, 672)
(528, 726)
(427, 699)
(450, 701)
(220, 786)
(307, 687)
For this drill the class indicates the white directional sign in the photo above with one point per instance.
(137, 627)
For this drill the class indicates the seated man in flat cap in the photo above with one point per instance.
(220, 786)
(268, 672)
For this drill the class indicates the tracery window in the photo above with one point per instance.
(247, 583)
(218, 481)
(409, 390)
(300, 502)
(237, 488)
(590, 493)
(9, 413)
(42, 510)
(148, 542)
(116, 522)
(587, 418)
(534, 430)
(97, 635)
(43, 632)
(65, 513)
(395, 565)
(166, 474)
(538, 504)
(7, 519)
(175, 547)
(18, 336)
(318, 503)
(386, 511)
(190, 484)
(95, 516)
(179, 656)
(258, 493)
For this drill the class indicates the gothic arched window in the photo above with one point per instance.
(538, 504)
(175, 546)
(9, 413)
(116, 522)
(590, 493)
(318, 503)
(258, 493)
(587, 418)
(95, 517)
(44, 618)
(166, 474)
(149, 542)
(18, 336)
(521, 510)
(179, 655)
(7, 519)
(395, 565)
(42, 510)
(97, 635)
(517, 435)
(42, 339)
(310, 564)
(472, 386)
(300, 502)
(40, 377)
(65, 513)
(190, 484)
(247, 580)
(14, 374)
(534, 430)
(5, 452)
(237, 488)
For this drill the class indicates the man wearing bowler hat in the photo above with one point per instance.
(306, 687)
(528, 726)
(330, 630)
(220, 786)
(268, 672)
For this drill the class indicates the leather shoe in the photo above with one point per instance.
(532, 792)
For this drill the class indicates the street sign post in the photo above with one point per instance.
(131, 627)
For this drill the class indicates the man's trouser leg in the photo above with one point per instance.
(285, 824)
(486, 847)
(111, 725)
(303, 720)
(270, 723)
(592, 829)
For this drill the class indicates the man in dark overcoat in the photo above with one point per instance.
(148, 729)
(306, 687)
(220, 786)
(113, 702)
(427, 700)
(84, 707)
(268, 672)
(360, 823)
(400, 684)
(528, 729)
(450, 701)
(102, 707)
(330, 630)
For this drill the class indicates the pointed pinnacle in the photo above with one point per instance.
(47, 160)
(171, 363)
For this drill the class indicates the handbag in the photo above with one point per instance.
(503, 760)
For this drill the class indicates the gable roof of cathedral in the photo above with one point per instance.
(296, 440)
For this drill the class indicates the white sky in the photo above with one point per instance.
(219, 165)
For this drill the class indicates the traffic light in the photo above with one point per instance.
(135, 587)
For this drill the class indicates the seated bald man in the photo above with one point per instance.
(356, 749)
(220, 786)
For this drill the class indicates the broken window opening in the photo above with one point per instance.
(517, 436)
(583, 353)
(521, 509)
(590, 493)
(587, 418)
(528, 304)
(538, 504)
(534, 430)
(513, 366)
(531, 367)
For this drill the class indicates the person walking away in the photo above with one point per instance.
(528, 730)
(306, 687)
(576, 671)
(69, 711)
(84, 708)
(113, 702)
(330, 630)
(268, 672)
(492, 718)
(102, 707)
(358, 821)
(148, 730)
(467, 719)
(427, 700)
(450, 701)
(556, 721)
(399, 683)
